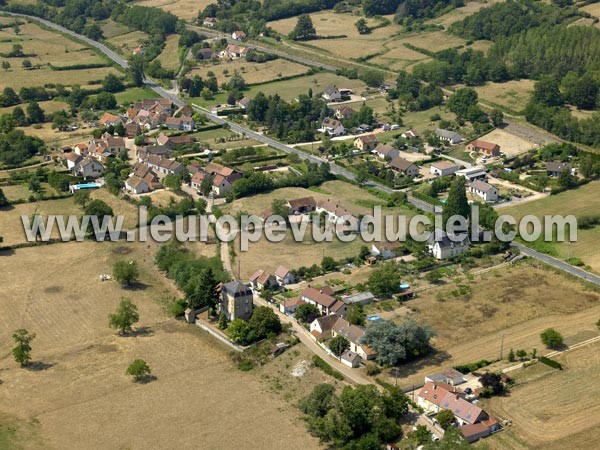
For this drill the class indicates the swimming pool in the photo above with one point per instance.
(374, 317)
(77, 187)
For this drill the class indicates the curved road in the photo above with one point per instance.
(565, 267)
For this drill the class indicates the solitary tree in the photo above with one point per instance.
(206, 185)
(338, 345)
(511, 355)
(125, 272)
(362, 27)
(304, 29)
(446, 418)
(457, 203)
(497, 117)
(22, 352)
(27, 64)
(356, 314)
(306, 312)
(125, 316)
(5, 65)
(136, 70)
(552, 338)
(81, 197)
(521, 354)
(139, 370)
(3, 200)
(328, 264)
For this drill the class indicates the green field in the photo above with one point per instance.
(579, 202)
(133, 94)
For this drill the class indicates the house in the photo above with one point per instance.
(339, 215)
(451, 376)
(353, 334)
(473, 432)
(404, 167)
(386, 151)
(180, 123)
(339, 308)
(332, 94)
(350, 359)
(284, 276)
(186, 111)
(290, 306)
(484, 190)
(136, 185)
(164, 166)
(204, 53)
(444, 246)
(72, 160)
(233, 51)
(365, 143)
(132, 130)
(443, 168)
(431, 394)
(385, 250)
(209, 22)
(554, 169)
(321, 327)
(222, 178)
(238, 35)
(109, 119)
(332, 127)
(317, 297)
(472, 173)
(236, 301)
(172, 142)
(88, 168)
(302, 205)
(139, 50)
(410, 134)
(243, 102)
(363, 298)
(343, 112)
(487, 148)
(448, 136)
(262, 280)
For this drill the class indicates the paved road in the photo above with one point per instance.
(565, 267)
(302, 333)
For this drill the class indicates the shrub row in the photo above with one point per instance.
(325, 367)
(551, 363)
(472, 367)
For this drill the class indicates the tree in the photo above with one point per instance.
(5, 65)
(434, 276)
(304, 29)
(206, 185)
(35, 114)
(362, 27)
(552, 338)
(172, 182)
(546, 91)
(22, 352)
(319, 401)
(395, 343)
(492, 382)
(521, 354)
(201, 290)
(125, 272)
(112, 83)
(446, 418)
(460, 102)
(457, 203)
(201, 205)
(98, 208)
(3, 200)
(7, 123)
(421, 435)
(136, 70)
(81, 197)
(511, 355)
(566, 180)
(125, 316)
(239, 331)
(27, 64)
(328, 264)
(338, 345)
(306, 312)
(497, 117)
(279, 207)
(356, 314)
(384, 280)
(60, 120)
(264, 322)
(20, 117)
(139, 370)
(16, 29)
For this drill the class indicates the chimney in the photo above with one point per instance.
(457, 396)
(321, 291)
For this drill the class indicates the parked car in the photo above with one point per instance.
(395, 127)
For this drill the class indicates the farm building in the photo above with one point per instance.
(484, 147)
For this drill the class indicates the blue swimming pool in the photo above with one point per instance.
(77, 187)
(374, 317)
